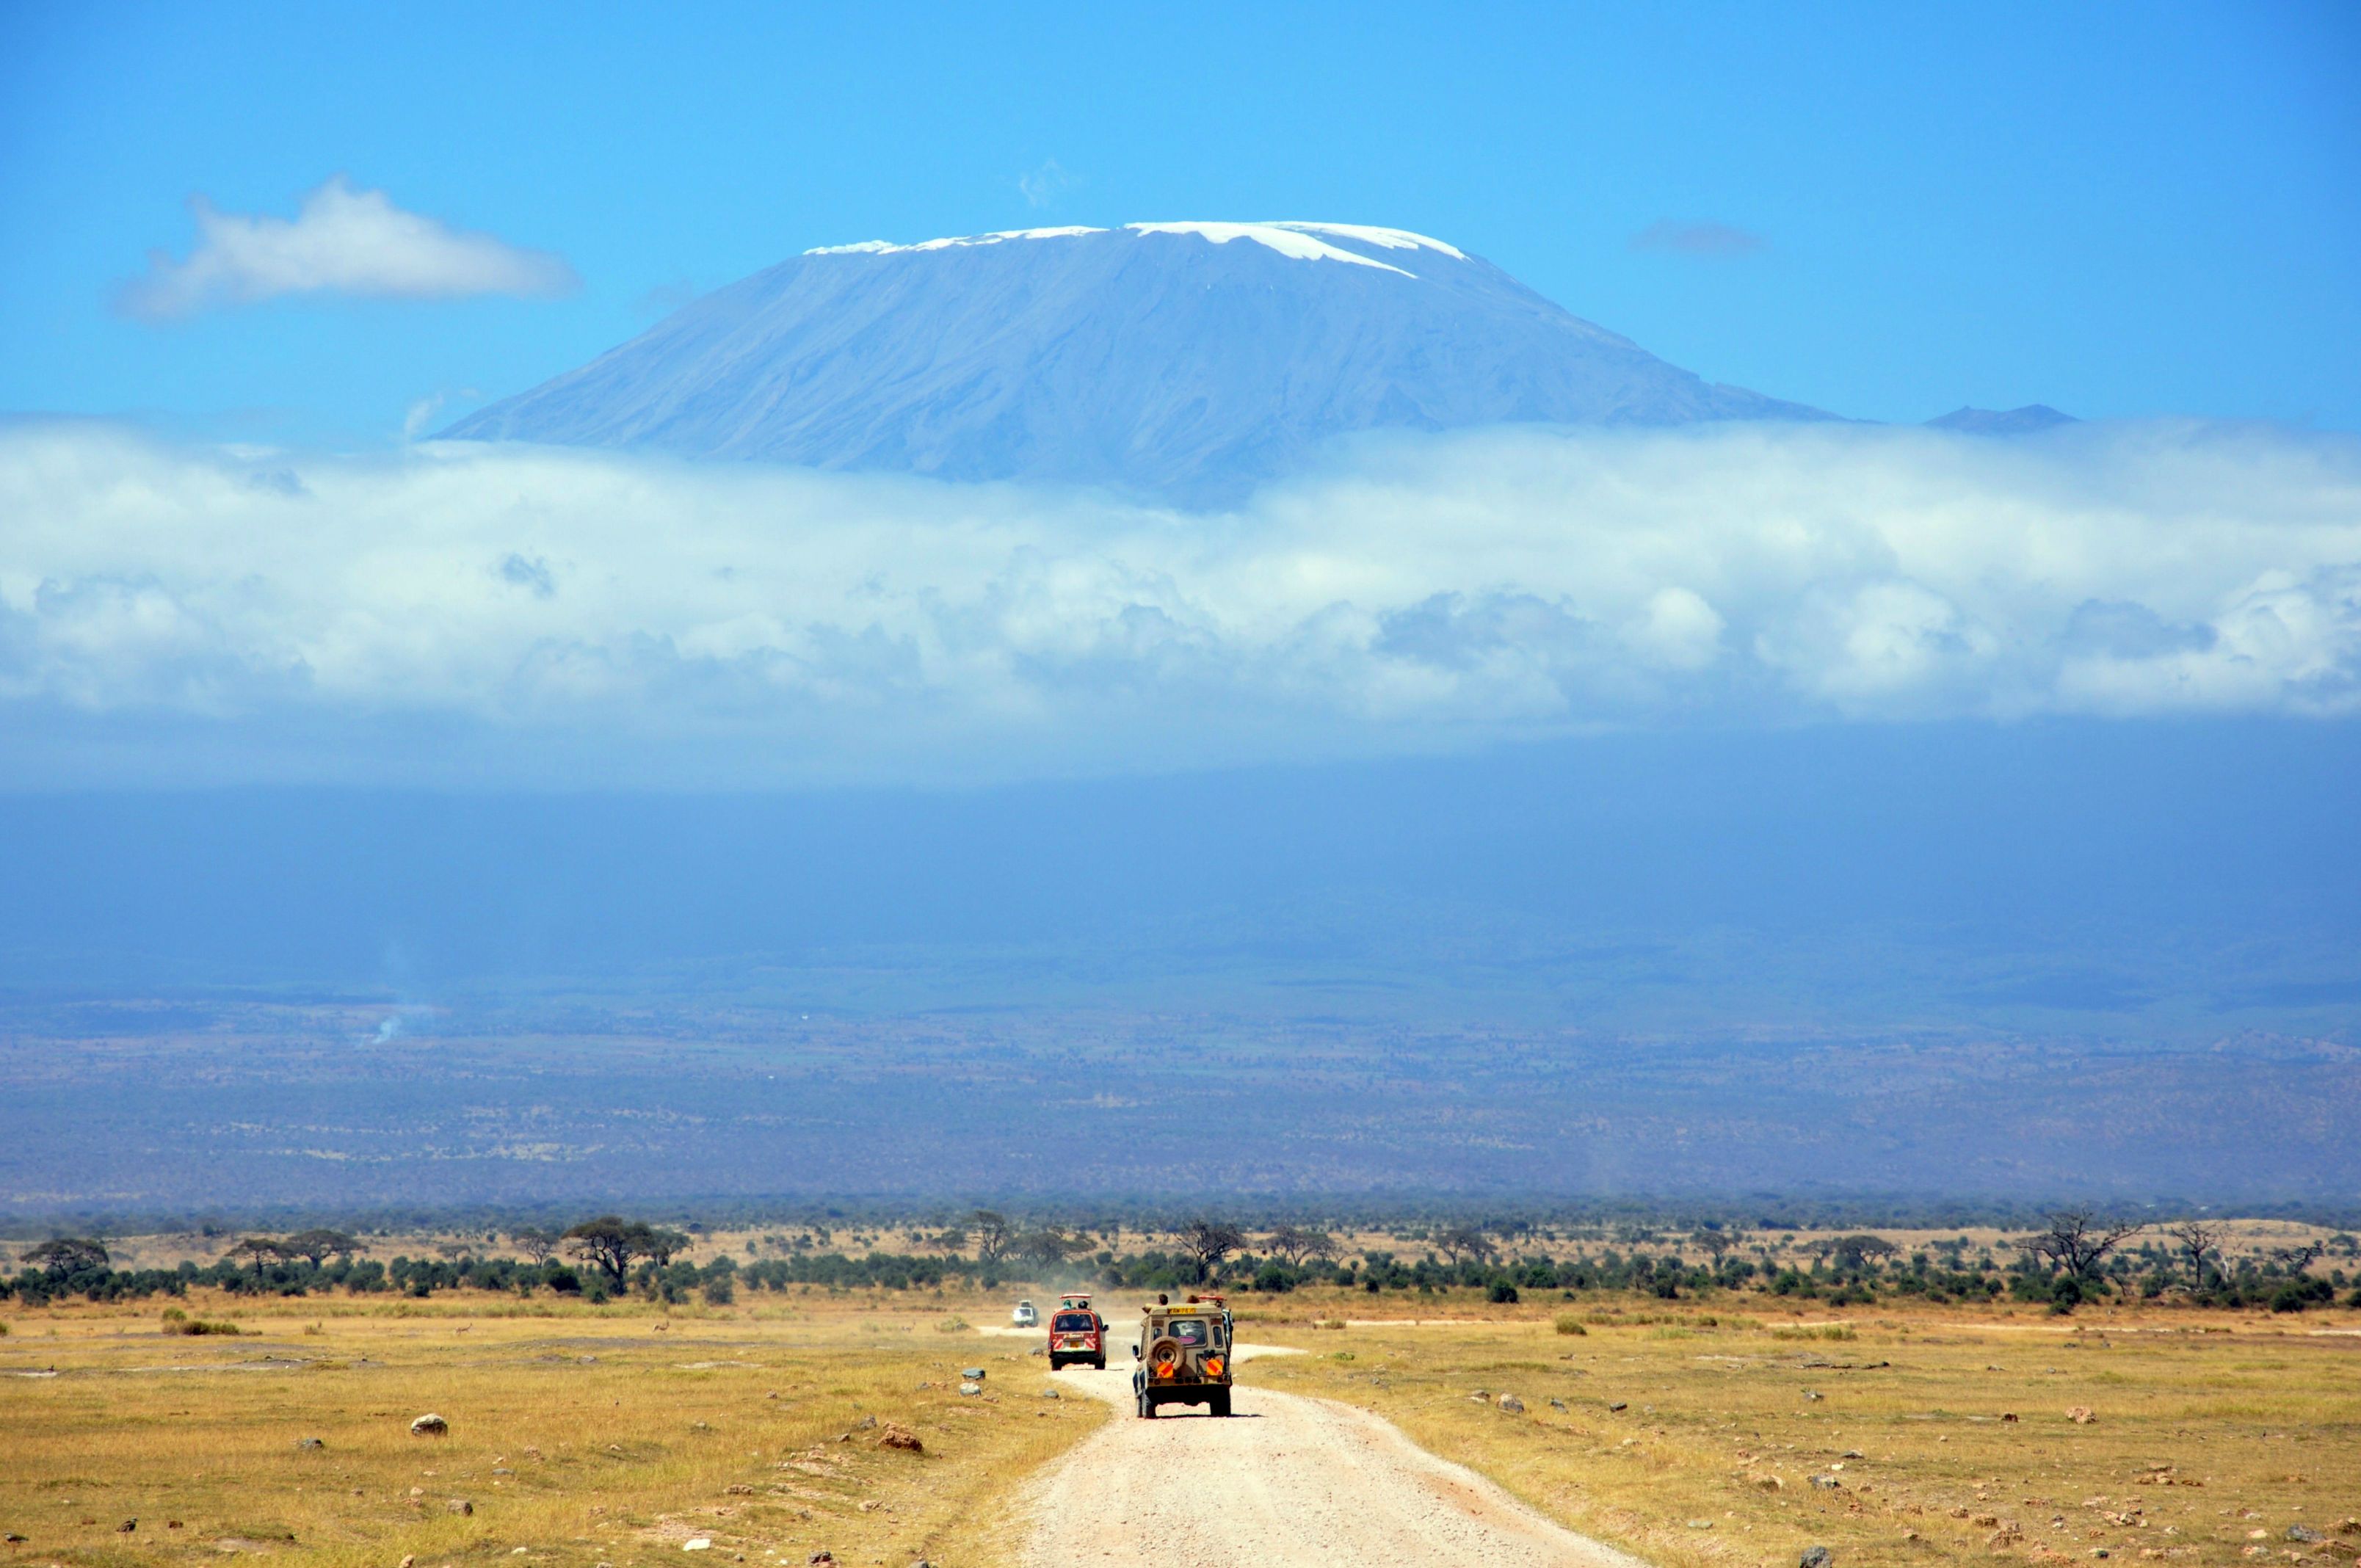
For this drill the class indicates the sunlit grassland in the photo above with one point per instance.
(577, 1435)
(2208, 1428)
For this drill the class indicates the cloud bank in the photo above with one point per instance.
(458, 611)
(343, 242)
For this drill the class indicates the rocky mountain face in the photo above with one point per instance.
(1189, 361)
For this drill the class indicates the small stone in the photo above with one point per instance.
(972, 1374)
(126, 1526)
(2304, 1532)
(1815, 1557)
(1618, 1405)
(1513, 1405)
(1051, 1393)
(1557, 1404)
(902, 1438)
(971, 1389)
(429, 1425)
(458, 1506)
(697, 1543)
(1700, 1524)
(410, 1560)
(2080, 1415)
(1852, 1453)
(867, 1423)
(520, 1551)
(822, 1555)
(1813, 1394)
(1827, 1483)
(309, 1442)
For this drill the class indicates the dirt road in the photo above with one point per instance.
(1287, 1481)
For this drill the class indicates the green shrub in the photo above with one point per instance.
(1567, 1324)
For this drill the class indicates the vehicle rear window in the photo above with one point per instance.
(1187, 1331)
(1072, 1323)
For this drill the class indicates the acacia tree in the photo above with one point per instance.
(1295, 1244)
(2077, 1241)
(2196, 1241)
(262, 1250)
(1207, 1243)
(1854, 1252)
(2296, 1260)
(314, 1246)
(66, 1256)
(1717, 1242)
(660, 1244)
(535, 1242)
(612, 1243)
(1468, 1241)
(1049, 1244)
(993, 1234)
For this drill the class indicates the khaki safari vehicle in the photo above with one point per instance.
(1184, 1355)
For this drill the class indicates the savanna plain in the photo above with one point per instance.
(1736, 1429)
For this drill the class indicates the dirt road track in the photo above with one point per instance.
(1288, 1482)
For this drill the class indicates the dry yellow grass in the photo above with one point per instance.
(2213, 1434)
(577, 1435)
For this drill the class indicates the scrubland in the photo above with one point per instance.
(1706, 1439)
(620, 1434)
(577, 1435)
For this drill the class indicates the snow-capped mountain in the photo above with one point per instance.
(1190, 360)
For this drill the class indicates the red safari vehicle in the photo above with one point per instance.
(1077, 1335)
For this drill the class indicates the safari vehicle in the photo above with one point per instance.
(1077, 1335)
(1184, 1355)
(1024, 1316)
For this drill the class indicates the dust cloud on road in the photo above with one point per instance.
(1287, 1481)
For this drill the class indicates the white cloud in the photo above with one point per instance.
(343, 242)
(565, 615)
(1041, 187)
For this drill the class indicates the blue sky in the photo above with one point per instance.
(2122, 211)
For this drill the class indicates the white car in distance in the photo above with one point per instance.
(1024, 1316)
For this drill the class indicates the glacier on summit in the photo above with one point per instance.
(1186, 362)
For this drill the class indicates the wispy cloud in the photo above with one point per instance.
(344, 241)
(543, 611)
(421, 411)
(1709, 239)
(1041, 187)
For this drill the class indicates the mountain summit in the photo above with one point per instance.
(1186, 360)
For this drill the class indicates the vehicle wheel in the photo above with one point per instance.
(1099, 1364)
(1221, 1402)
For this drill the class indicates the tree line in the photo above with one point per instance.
(2078, 1256)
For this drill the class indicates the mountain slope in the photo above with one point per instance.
(1189, 360)
(2028, 421)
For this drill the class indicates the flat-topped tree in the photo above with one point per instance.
(535, 1242)
(1295, 1244)
(316, 1245)
(612, 1243)
(262, 1251)
(66, 1256)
